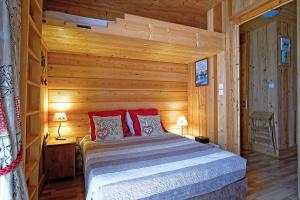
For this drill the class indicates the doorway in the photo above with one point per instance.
(268, 84)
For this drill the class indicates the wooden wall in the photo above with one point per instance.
(264, 68)
(82, 83)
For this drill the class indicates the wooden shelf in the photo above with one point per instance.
(33, 25)
(34, 112)
(30, 165)
(31, 139)
(32, 190)
(32, 55)
(31, 96)
(31, 83)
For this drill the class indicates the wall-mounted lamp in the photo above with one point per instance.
(60, 117)
(182, 122)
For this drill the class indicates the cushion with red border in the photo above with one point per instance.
(142, 112)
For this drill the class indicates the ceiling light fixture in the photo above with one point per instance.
(270, 14)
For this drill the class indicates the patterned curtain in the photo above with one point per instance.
(12, 184)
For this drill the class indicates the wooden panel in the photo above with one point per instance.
(78, 84)
(62, 164)
(245, 10)
(265, 68)
(191, 13)
(287, 83)
(136, 38)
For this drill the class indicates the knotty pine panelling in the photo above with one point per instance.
(265, 67)
(82, 83)
(202, 104)
(186, 12)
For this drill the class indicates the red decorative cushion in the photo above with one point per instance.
(142, 112)
(111, 113)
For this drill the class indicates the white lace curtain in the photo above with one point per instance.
(12, 184)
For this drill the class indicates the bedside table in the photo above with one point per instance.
(59, 158)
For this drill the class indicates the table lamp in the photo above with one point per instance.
(60, 117)
(182, 122)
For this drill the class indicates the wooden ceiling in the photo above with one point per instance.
(186, 12)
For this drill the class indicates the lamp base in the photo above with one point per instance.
(60, 138)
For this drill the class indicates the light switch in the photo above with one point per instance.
(221, 92)
(221, 86)
(271, 85)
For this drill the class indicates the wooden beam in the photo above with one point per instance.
(134, 37)
(186, 12)
(256, 9)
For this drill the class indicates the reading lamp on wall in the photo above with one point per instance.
(60, 117)
(182, 122)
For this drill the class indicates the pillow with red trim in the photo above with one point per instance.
(142, 112)
(111, 113)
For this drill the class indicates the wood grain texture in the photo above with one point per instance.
(272, 178)
(268, 178)
(134, 37)
(191, 13)
(246, 10)
(61, 165)
(265, 68)
(82, 83)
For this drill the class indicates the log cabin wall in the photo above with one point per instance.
(82, 83)
(271, 85)
(203, 100)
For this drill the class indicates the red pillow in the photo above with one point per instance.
(126, 132)
(143, 112)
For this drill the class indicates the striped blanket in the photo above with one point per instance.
(160, 167)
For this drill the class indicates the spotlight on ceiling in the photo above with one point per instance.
(270, 14)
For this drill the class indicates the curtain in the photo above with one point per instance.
(13, 184)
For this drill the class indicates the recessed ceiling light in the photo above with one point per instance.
(270, 14)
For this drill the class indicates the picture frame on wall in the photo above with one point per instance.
(285, 47)
(201, 72)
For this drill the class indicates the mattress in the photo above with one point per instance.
(158, 167)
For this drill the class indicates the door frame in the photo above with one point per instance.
(241, 18)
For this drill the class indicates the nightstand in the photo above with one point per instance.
(59, 158)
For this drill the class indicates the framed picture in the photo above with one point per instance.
(202, 72)
(285, 47)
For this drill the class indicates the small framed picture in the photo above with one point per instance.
(201, 72)
(285, 47)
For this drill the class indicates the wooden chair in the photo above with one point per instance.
(262, 126)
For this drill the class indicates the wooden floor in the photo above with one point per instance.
(268, 179)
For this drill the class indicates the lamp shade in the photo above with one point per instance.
(182, 121)
(60, 117)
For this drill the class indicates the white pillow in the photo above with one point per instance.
(130, 123)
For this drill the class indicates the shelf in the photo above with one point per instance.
(33, 25)
(30, 165)
(32, 190)
(32, 55)
(31, 139)
(34, 112)
(31, 83)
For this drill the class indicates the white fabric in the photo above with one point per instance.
(129, 123)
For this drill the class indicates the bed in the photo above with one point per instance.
(161, 167)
